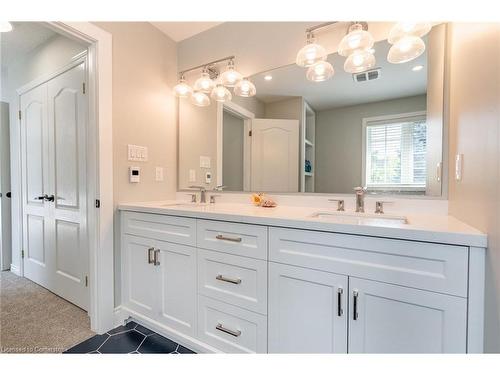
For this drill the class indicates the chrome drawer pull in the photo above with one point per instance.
(150, 255)
(220, 327)
(340, 310)
(156, 260)
(355, 305)
(227, 280)
(233, 239)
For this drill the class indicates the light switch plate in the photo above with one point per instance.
(137, 153)
(204, 162)
(159, 174)
(459, 160)
(192, 175)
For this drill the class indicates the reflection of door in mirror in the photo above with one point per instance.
(275, 155)
(233, 165)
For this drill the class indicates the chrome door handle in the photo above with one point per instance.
(220, 327)
(228, 280)
(49, 198)
(355, 305)
(151, 255)
(224, 238)
(40, 198)
(340, 310)
(156, 260)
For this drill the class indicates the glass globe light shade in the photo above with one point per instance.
(204, 83)
(406, 49)
(200, 99)
(319, 72)
(356, 39)
(401, 29)
(221, 94)
(359, 61)
(5, 26)
(245, 88)
(310, 54)
(182, 89)
(230, 77)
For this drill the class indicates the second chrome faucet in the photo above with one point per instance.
(360, 198)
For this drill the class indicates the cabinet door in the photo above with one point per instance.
(385, 318)
(177, 286)
(307, 310)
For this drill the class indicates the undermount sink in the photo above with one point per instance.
(359, 218)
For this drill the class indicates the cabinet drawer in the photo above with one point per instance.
(231, 329)
(174, 229)
(239, 239)
(233, 279)
(439, 268)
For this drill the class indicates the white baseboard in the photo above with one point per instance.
(15, 269)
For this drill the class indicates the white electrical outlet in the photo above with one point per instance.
(192, 175)
(159, 173)
(208, 177)
(459, 160)
(205, 162)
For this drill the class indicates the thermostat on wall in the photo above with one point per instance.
(134, 174)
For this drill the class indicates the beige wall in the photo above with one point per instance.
(144, 113)
(339, 141)
(475, 133)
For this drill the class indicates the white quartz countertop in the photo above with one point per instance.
(429, 228)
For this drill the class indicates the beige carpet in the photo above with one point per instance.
(34, 320)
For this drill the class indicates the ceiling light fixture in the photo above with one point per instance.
(268, 77)
(245, 88)
(200, 99)
(311, 53)
(204, 83)
(221, 94)
(319, 72)
(230, 77)
(406, 38)
(417, 68)
(5, 26)
(182, 89)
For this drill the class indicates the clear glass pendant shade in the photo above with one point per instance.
(310, 54)
(356, 39)
(204, 83)
(402, 29)
(359, 61)
(200, 99)
(221, 94)
(245, 88)
(230, 77)
(5, 26)
(406, 49)
(319, 72)
(182, 89)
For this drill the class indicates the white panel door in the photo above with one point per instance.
(307, 310)
(275, 155)
(53, 131)
(386, 318)
(35, 175)
(177, 287)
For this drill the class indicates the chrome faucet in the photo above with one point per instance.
(203, 193)
(360, 198)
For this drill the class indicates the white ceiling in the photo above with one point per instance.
(397, 81)
(178, 31)
(24, 37)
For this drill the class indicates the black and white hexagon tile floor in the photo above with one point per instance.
(129, 338)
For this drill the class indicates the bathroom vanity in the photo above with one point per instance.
(241, 279)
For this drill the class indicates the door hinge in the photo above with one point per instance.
(86, 281)
(22, 254)
(19, 114)
(249, 133)
(97, 203)
(83, 87)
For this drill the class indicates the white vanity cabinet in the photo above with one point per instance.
(221, 286)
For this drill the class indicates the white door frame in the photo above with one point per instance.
(99, 169)
(247, 117)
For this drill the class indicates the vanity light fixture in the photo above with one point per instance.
(182, 89)
(357, 46)
(200, 99)
(5, 26)
(406, 38)
(359, 61)
(245, 88)
(204, 84)
(319, 72)
(230, 77)
(221, 94)
(311, 53)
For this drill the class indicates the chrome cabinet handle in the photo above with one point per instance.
(224, 238)
(49, 198)
(40, 198)
(156, 257)
(151, 254)
(340, 310)
(220, 327)
(228, 280)
(355, 305)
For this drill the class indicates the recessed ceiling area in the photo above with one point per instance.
(178, 31)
